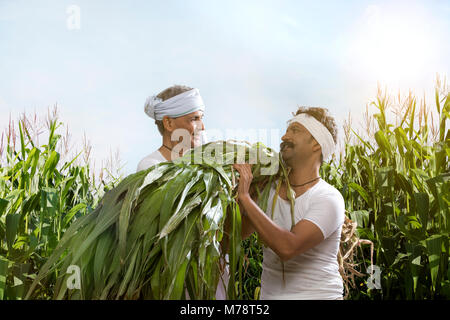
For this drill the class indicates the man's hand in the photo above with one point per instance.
(285, 243)
(245, 179)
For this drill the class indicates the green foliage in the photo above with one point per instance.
(40, 197)
(158, 233)
(398, 192)
(251, 285)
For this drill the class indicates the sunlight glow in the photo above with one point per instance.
(393, 47)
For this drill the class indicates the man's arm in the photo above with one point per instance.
(247, 226)
(285, 243)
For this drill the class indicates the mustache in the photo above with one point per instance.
(286, 144)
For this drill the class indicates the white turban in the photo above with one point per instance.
(177, 106)
(318, 131)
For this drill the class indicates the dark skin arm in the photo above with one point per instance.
(285, 243)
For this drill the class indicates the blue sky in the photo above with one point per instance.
(254, 62)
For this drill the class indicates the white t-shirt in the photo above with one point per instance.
(150, 160)
(314, 274)
(155, 158)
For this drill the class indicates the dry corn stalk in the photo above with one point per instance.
(347, 253)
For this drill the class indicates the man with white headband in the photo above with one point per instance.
(175, 108)
(300, 257)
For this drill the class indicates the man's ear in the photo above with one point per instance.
(168, 123)
(315, 145)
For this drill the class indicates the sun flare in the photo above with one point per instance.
(393, 49)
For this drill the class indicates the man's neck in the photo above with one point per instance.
(301, 174)
(166, 153)
(167, 149)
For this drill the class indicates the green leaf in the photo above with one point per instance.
(22, 141)
(403, 183)
(154, 280)
(146, 216)
(363, 193)
(67, 185)
(34, 156)
(384, 180)
(382, 142)
(12, 224)
(68, 217)
(3, 205)
(51, 163)
(434, 249)
(172, 191)
(414, 257)
(49, 202)
(361, 217)
(179, 281)
(154, 174)
(178, 216)
(422, 207)
(421, 173)
(129, 272)
(3, 274)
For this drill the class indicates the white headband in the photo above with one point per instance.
(177, 106)
(318, 131)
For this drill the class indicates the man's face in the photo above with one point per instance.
(297, 144)
(193, 123)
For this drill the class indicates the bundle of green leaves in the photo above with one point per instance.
(158, 234)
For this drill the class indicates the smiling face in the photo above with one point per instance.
(298, 145)
(192, 123)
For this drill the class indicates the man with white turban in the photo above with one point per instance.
(300, 259)
(175, 109)
(178, 109)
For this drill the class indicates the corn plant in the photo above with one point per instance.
(39, 198)
(252, 268)
(397, 190)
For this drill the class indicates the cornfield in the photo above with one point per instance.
(40, 196)
(160, 233)
(397, 190)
